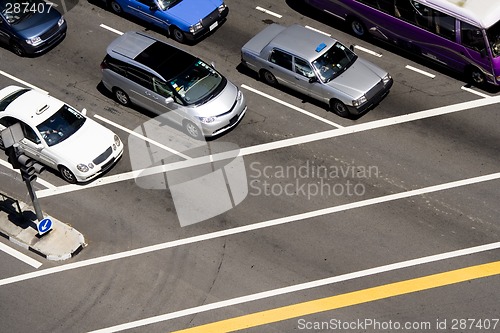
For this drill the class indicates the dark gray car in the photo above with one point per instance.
(317, 66)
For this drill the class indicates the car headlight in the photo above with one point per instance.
(61, 21)
(117, 141)
(386, 79)
(359, 101)
(222, 7)
(84, 168)
(207, 120)
(34, 41)
(240, 94)
(195, 28)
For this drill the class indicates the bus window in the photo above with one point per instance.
(472, 37)
(444, 25)
(493, 34)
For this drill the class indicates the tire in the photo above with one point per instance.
(269, 78)
(121, 97)
(178, 35)
(116, 8)
(339, 108)
(192, 130)
(67, 175)
(18, 49)
(358, 29)
(475, 76)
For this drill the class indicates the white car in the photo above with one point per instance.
(59, 136)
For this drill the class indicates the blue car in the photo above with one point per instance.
(30, 27)
(185, 20)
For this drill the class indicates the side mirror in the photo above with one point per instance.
(351, 47)
(313, 79)
(212, 64)
(169, 100)
(84, 111)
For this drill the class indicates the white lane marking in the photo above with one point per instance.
(142, 137)
(252, 227)
(111, 29)
(268, 12)
(300, 287)
(38, 179)
(312, 115)
(279, 144)
(475, 92)
(373, 53)
(420, 71)
(12, 77)
(321, 32)
(21, 256)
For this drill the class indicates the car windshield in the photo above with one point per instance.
(14, 11)
(493, 34)
(166, 4)
(61, 125)
(197, 84)
(4, 103)
(334, 61)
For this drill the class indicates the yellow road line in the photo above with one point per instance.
(348, 299)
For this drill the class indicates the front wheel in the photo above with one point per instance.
(192, 130)
(357, 28)
(178, 35)
(475, 76)
(18, 49)
(339, 108)
(67, 174)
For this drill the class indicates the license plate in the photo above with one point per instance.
(214, 25)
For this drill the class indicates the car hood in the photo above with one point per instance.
(37, 24)
(222, 103)
(90, 141)
(358, 79)
(192, 11)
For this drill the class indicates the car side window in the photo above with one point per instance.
(303, 68)
(281, 58)
(472, 37)
(29, 133)
(140, 77)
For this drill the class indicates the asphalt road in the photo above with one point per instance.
(377, 206)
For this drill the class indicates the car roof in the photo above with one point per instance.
(302, 42)
(32, 107)
(163, 58)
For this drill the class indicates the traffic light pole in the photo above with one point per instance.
(34, 199)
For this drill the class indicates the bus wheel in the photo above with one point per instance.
(357, 27)
(475, 76)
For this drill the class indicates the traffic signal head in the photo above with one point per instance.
(29, 168)
(12, 157)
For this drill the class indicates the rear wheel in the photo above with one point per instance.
(339, 108)
(121, 97)
(67, 174)
(268, 77)
(116, 8)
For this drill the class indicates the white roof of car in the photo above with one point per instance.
(484, 13)
(32, 107)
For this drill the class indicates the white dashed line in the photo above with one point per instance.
(420, 71)
(321, 32)
(21, 256)
(268, 12)
(12, 77)
(475, 92)
(111, 29)
(312, 115)
(373, 53)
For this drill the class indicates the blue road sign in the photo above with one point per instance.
(44, 226)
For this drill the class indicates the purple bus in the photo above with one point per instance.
(463, 35)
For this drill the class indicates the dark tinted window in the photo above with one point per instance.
(472, 37)
(140, 77)
(386, 6)
(281, 58)
(4, 103)
(115, 65)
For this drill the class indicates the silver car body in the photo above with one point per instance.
(221, 109)
(359, 85)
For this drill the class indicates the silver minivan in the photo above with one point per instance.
(162, 78)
